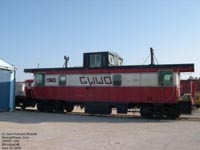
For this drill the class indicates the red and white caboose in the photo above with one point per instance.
(104, 83)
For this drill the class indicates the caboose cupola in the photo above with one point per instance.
(101, 60)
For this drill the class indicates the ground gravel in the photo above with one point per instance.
(78, 131)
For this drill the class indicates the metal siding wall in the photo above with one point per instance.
(12, 91)
(5, 85)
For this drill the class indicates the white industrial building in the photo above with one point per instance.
(7, 86)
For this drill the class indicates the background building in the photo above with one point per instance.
(7, 86)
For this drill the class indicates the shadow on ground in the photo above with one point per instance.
(32, 116)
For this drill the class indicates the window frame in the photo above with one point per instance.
(42, 82)
(62, 83)
(161, 78)
(117, 79)
(95, 60)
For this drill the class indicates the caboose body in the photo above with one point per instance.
(104, 83)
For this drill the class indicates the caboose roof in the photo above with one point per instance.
(139, 68)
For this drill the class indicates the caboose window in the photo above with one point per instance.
(96, 60)
(165, 78)
(117, 79)
(62, 80)
(39, 79)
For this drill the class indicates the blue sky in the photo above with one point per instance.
(41, 32)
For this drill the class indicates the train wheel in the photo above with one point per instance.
(40, 107)
(69, 107)
(59, 108)
(49, 107)
(158, 112)
(23, 106)
(173, 113)
(146, 112)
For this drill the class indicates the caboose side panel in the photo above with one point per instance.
(120, 87)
